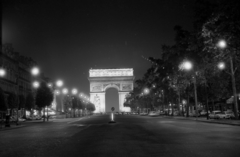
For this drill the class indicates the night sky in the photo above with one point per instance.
(68, 37)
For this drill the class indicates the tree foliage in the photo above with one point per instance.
(12, 101)
(3, 104)
(44, 96)
(29, 102)
(22, 101)
(168, 82)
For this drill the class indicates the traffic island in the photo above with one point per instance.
(111, 122)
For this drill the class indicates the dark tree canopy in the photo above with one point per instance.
(44, 96)
(29, 102)
(3, 104)
(22, 101)
(12, 101)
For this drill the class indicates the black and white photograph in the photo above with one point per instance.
(120, 78)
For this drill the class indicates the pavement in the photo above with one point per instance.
(25, 123)
(204, 119)
(201, 119)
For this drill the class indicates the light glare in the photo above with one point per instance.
(221, 65)
(35, 71)
(146, 90)
(65, 90)
(2, 72)
(35, 84)
(74, 91)
(187, 65)
(222, 44)
(59, 83)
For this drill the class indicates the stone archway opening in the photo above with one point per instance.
(102, 79)
(112, 99)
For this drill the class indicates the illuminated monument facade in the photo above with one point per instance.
(102, 79)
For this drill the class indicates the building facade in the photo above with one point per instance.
(18, 79)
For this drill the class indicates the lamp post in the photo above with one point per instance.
(74, 92)
(146, 91)
(34, 72)
(222, 44)
(187, 65)
(7, 122)
(59, 83)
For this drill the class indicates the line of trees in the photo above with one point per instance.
(13, 103)
(75, 103)
(44, 98)
(169, 84)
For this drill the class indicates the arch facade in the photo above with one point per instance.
(102, 79)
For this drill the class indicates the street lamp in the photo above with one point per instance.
(221, 65)
(146, 91)
(35, 71)
(187, 65)
(2, 72)
(36, 84)
(222, 44)
(65, 91)
(59, 83)
(74, 91)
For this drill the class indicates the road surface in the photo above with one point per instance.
(130, 136)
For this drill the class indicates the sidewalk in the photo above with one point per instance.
(25, 123)
(204, 119)
(12, 126)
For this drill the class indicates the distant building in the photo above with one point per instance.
(16, 67)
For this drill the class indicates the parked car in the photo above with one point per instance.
(154, 113)
(204, 113)
(223, 115)
(175, 113)
(214, 114)
(230, 114)
(143, 114)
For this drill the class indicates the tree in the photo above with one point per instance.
(3, 104)
(67, 103)
(44, 96)
(22, 101)
(29, 105)
(12, 101)
(224, 24)
(74, 104)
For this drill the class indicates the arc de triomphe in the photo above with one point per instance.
(102, 79)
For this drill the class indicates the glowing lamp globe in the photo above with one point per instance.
(74, 91)
(35, 84)
(187, 65)
(146, 91)
(57, 92)
(221, 65)
(222, 44)
(35, 71)
(2, 72)
(65, 91)
(59, 83)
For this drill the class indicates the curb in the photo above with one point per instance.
(216, 122)
(10, 128)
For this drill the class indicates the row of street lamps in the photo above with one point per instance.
(34, 72)
(187, 65)
(55, 87)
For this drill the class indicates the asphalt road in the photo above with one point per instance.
(131, 135)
